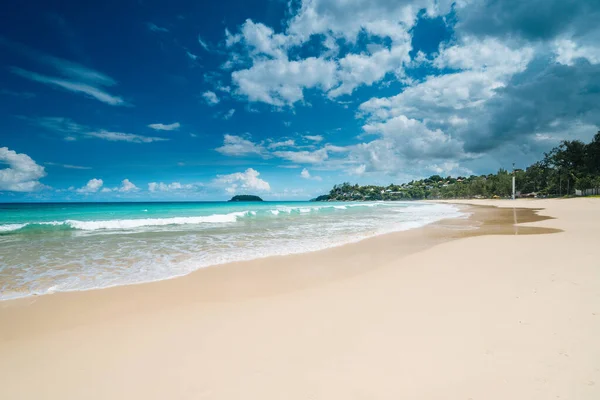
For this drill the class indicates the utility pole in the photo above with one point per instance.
(513, 182)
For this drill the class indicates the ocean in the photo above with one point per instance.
(54, 247)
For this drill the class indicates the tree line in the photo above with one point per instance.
(569, 166)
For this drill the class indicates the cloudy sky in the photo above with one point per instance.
(199, 100)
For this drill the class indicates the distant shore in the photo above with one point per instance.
(475, 307)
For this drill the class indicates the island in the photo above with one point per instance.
(245, 197)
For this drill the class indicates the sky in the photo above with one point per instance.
(136, 100)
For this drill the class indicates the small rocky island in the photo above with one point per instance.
(246, 197)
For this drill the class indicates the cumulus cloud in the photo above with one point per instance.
(165, 127)
(246, 181)
(281, 82)
(210, 98)
(237, 146)
(278, 78)
(512, 74)
(22, 173)
(127, 186)
(568, 51)
(306, 175)
(92, 186)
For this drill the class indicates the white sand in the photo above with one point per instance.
(488, 317)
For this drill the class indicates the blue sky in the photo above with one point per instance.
(188, 100)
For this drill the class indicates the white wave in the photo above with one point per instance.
(365, 204)
(340, 207)
(138, 223)
(11, 227)
(275, 212)
(133, 223)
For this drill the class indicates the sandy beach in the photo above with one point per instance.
(502, 311)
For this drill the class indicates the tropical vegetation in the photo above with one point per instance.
(245, 197)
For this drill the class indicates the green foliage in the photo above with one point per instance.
(569, 166)
(245, 197)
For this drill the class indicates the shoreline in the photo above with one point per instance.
(227, 262)
(504, 311)
(490, 220)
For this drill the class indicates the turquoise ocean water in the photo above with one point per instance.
(53, 247)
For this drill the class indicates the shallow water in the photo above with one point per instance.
(61, 247)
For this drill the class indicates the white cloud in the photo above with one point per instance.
(306, 175)
(165, 127)
(261, 40)
(229, 114)
(487, 54)
(203, 43)
(22, 174)
(303, 157)
(92, 186)
(156, 28)
(348, 19)
(279, 78)
(437, 95)
(67, 166)
(281, 82)
(283, 143)
(567, 51)
(123, 137)
(127, 186)
(169, 187)
(74, 131)
(509, 70)
(77, 87)
(191, 56)
(335, 149)
(72, 76)
(246, 181)
(315, 138)
(359, 170)
(365, 69)
(210, 98)
(411, 139)
(237, 146)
